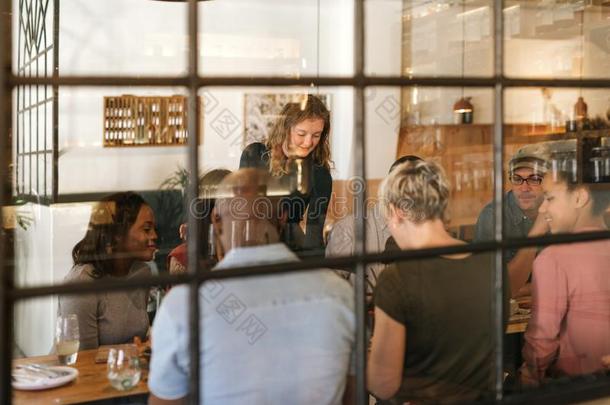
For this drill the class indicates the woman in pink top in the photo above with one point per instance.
(569, 332)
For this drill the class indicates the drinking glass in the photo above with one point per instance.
(124, 367)
(67, 338)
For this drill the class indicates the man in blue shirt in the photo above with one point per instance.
(521, 219)
(273, 339)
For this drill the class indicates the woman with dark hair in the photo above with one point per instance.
(301, 132)
(120, 238)
(569, 332)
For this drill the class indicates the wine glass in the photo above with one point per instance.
(67, 338)
(123, 369)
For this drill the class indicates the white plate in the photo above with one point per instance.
(34, 382)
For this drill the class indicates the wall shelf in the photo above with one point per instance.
(145, 121)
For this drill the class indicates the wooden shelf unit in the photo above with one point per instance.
(466, 154)
(145, 121)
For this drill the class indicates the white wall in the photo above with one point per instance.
(86, 166)
(43, 257)
(383, 23)
(33, 249)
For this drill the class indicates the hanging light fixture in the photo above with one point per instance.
(463, 109)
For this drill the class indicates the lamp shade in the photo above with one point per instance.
(462, 105)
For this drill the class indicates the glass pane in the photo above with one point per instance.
(267, 39)
(559, 39)
(246, 124)
(429, 38)
(111, 140)
(107, 38)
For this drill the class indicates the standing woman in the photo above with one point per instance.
(301, 132)
(120, 238)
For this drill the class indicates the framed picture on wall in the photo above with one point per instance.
(261, 110)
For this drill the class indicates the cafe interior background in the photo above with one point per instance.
(432, 38)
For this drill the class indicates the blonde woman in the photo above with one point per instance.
(301, 131)
(433, 337)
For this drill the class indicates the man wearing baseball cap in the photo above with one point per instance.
(526, 173)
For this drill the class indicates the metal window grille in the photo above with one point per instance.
(9, 294)
(35, 120)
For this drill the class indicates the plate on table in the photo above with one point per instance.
(49, 377)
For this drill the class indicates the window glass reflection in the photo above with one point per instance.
(559, 39)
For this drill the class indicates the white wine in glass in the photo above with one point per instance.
(67, 351)
(67, 339)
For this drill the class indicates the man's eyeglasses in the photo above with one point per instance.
(517, 180)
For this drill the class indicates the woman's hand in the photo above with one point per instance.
(144, 347)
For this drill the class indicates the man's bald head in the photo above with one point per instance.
(244, 214)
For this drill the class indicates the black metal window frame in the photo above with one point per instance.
(36, 109)
(10, 294)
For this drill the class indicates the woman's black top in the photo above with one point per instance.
(446, 306)
(257, 155)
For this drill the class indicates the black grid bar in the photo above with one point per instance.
(309, 264)
(359, 225)
(55, 111)
(262, 81)
(498, 196)
(29, 119)
(6, 285)
(37, 134)
(18, 145)
(195, 375)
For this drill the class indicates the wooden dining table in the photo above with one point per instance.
(90, 385)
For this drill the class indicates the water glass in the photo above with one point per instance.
(67, 338)
(123, 369)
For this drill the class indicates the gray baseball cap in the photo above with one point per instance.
(534, 156)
